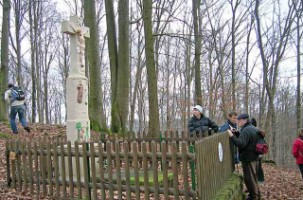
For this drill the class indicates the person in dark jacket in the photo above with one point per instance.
(260, 171)
(199, 123)
(246, 142)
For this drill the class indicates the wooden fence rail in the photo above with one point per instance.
(93, 171)
(121, 169)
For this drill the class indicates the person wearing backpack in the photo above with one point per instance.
(246, 142)
(261, 177)
(297, 150)
(15, 97)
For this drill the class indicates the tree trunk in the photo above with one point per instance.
(4, 56)
(151, 71)
(123, 64)
(95, 99)
(298, 100)
(198, 45)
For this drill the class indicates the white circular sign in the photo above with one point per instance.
(220, 150)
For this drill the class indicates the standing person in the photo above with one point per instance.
(232, 125)
(297, 150)
(17, 106)
(200, 123)
(246, 143)
(260, 171)
(231, 122)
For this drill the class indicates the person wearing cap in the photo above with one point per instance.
(246, 143)
(199, 123)
(17, 107)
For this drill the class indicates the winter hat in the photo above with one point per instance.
(199, 108)
(243, 116)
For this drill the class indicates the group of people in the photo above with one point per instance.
(243, 133)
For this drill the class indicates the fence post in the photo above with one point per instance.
(9, 180)
(192, 168)
(161, 139)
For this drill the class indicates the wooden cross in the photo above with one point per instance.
(77, 33)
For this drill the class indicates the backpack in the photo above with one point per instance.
(261, 146)
(17, 94)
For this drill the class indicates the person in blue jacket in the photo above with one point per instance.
(231, 122)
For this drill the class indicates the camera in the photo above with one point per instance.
(232, 129)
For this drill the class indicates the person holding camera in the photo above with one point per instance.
(231, 122)
(199, 123)
(246, 143)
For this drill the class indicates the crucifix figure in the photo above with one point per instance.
(78, 33)
(76, 82)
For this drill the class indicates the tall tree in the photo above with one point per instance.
(4, 55)
(298, 49)
(154, 126)
(198, 46)
(123, 64)
(95, 104)
(271, 59)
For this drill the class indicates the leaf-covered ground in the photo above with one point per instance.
(279, 183)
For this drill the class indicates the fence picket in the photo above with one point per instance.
(101, 170)
(109, 170)
(70, 169)
(42, 166)
(145, 170)
(18, 164)
(155, 170)
(49, 170)
(136, 169)
(37, 171)
(118, 169)
(63, 167)
(86, 171)
(127, 169)
(25, 166)
(164, 169)
(56, 168)
(185, 170)
(93, 169)
(175, 170)
(78, 170)
(30, 167)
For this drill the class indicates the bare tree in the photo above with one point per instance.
(4, 55)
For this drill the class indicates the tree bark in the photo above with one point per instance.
(154, 126)
(4, 56)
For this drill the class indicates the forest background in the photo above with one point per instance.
(156, 59)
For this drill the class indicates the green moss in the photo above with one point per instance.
(232, 189)
(5, 136)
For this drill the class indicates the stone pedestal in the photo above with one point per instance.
(78, 125)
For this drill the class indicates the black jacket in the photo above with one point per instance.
(201, 125)
(247, 143)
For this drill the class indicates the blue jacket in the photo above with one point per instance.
(225, 126)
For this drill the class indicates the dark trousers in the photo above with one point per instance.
(301, 169)
(251, 179)
(260, 170)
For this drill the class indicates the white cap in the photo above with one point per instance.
(199, 108)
